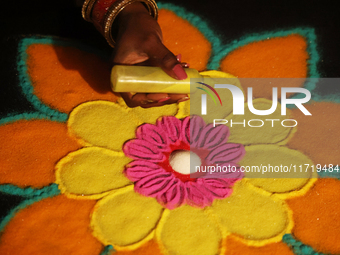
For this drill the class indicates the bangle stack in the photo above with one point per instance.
(102, 14)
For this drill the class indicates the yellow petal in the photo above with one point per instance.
(271, 132)
(183, 109)
(125, 218)
(214, 111)
(91, 171)
(150, 115)
(269, 159)
(103, 124)
(252, 216)
(188, 231)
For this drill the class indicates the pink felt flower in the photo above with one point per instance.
(156, 174)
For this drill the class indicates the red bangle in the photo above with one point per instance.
(87, 9)
(99, 11)
(102, 13)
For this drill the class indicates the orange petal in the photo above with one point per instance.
(150, 247)
(30, 149)
(280, 57)
(56, 225)
(318, 135)
(64, 77)
(181, 37)
(234, 247)
(316, 216)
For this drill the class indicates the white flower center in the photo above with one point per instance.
(184, 162)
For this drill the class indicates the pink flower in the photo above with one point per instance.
(157, 174)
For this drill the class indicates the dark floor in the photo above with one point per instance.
(231, 18)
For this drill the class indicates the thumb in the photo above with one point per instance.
(161, 56)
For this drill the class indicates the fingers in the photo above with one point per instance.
(179, 97)
(144, 100)
(185, 65)
(160, 56)
(150, 51)
(151, 100)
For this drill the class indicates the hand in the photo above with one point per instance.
(139, 42)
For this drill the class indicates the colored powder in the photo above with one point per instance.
(282, 57)
(234, 247)
(30, 149)
(64, 77)
(198, 53)
(318, 135)
(316, 216)
(56, 225)
(150, 247)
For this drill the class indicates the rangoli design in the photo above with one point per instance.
(101, 178)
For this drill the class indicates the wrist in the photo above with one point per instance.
(132, 11)
(104, 13)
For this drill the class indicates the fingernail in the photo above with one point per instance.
(187, 65)
(179, 72)
(179, 57)
(183, 99)
(148, 101)
(163, 99)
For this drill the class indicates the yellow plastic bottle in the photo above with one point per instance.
(145, 79)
